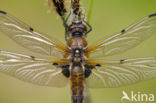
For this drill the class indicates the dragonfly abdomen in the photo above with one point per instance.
(77, 84)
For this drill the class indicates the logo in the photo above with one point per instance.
(137, 96)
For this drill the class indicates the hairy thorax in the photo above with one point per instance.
(77, 45)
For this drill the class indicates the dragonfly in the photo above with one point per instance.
(77, 63)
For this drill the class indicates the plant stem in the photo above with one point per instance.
(90, 11)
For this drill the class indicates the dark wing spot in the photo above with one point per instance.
(65, 71)
(3, 12)
(123, 31)
(151, 15)
(98, 65)
(55, 64)
(122, 61)
(32, 57)
(89, 67)
(87, 72)
(31, 29)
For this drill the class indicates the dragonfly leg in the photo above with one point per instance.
(90, 27)
(66, 26)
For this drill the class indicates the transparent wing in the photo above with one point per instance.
(120, 73)
(31, 69)
(29, 38)
(124, 40)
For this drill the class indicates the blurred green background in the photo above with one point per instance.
(108, 16)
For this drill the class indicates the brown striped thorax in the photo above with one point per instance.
(81, 64)
(77, 29)
(77, 41)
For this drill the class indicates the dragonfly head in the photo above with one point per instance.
(77, 29)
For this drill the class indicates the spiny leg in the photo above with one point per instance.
(65, 22)
(90, 27)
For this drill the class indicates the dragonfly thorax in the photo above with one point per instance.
(77, 29)
(77, 55)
